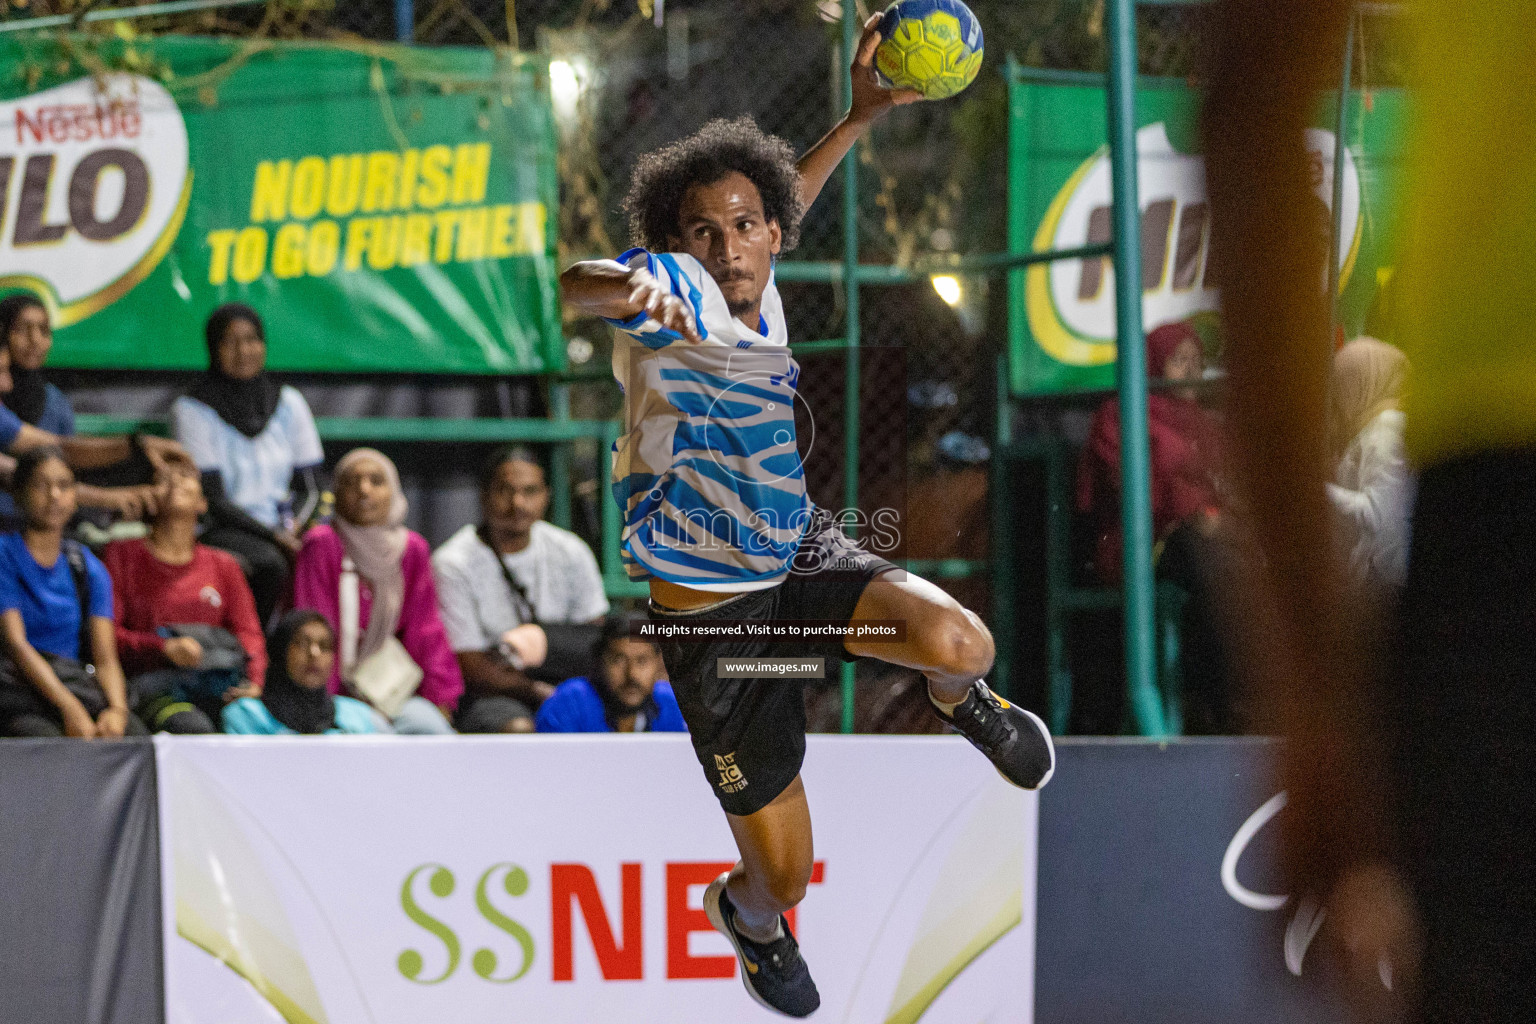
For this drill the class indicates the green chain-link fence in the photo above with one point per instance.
(932, 181)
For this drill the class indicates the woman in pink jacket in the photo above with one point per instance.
(368, 561)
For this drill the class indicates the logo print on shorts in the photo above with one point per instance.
(731, 779)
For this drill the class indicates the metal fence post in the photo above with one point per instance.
(151, 10)
(560, 459)
(1004, 578)
(851, 31)
(1340, 148)
(1004, 513)
(1136, 503)
(405, 21)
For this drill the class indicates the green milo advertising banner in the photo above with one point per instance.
(1061, 315)
(384, 209)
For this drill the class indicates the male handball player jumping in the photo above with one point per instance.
(717, 519)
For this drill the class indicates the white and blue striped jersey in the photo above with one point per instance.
(708, 471)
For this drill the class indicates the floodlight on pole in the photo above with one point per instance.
(949, 288)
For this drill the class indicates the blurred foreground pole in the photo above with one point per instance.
(405, 21)
(851, 32)
(1136, 498)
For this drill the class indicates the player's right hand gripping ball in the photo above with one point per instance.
(930, 46)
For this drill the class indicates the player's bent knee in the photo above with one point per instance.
(961, 646)
(972, 656)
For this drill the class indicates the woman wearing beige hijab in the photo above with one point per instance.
(1372, 487)
(395, 598)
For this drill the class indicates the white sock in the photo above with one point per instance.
(758, 937)
(947, 709)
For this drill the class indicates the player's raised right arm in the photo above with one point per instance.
(609, 289)
(869, 100)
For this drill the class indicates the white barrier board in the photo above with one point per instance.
(545, 880)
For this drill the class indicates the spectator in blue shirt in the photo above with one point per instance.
(28, 333)
(61, 676)
(626, 694)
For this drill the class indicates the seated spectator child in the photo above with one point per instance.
(626, 693)
(1372, 487)
(368, 551)
(256, 445)
(167, 587)
(294, 698)
(497, 581)
(60, 676)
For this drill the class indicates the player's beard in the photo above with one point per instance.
(737, 306)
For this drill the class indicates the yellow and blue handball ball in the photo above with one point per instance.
(930, 46)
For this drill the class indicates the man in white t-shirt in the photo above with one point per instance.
(545, 574)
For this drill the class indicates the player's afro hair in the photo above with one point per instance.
(662, 178)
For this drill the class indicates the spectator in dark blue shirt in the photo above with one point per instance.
(626, 693)
(28, 333)
(60, 676)
(35, 413)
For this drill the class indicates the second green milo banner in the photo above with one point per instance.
(383, 209)
(1062, 315)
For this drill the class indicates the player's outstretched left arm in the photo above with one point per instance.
(609, 289)
(870, 99)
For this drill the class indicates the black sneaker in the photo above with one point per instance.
(773, 972)
(1016, 742)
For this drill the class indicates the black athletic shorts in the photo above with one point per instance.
(1462, 732)
(749, 734)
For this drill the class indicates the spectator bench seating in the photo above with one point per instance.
(558, 433)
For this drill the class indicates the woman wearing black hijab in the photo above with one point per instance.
(294, 698)
(255, 443)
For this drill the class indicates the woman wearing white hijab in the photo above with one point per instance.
(1372, 488)
(372, 577)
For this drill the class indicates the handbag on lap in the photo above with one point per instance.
(222, 666)
(389, 676)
